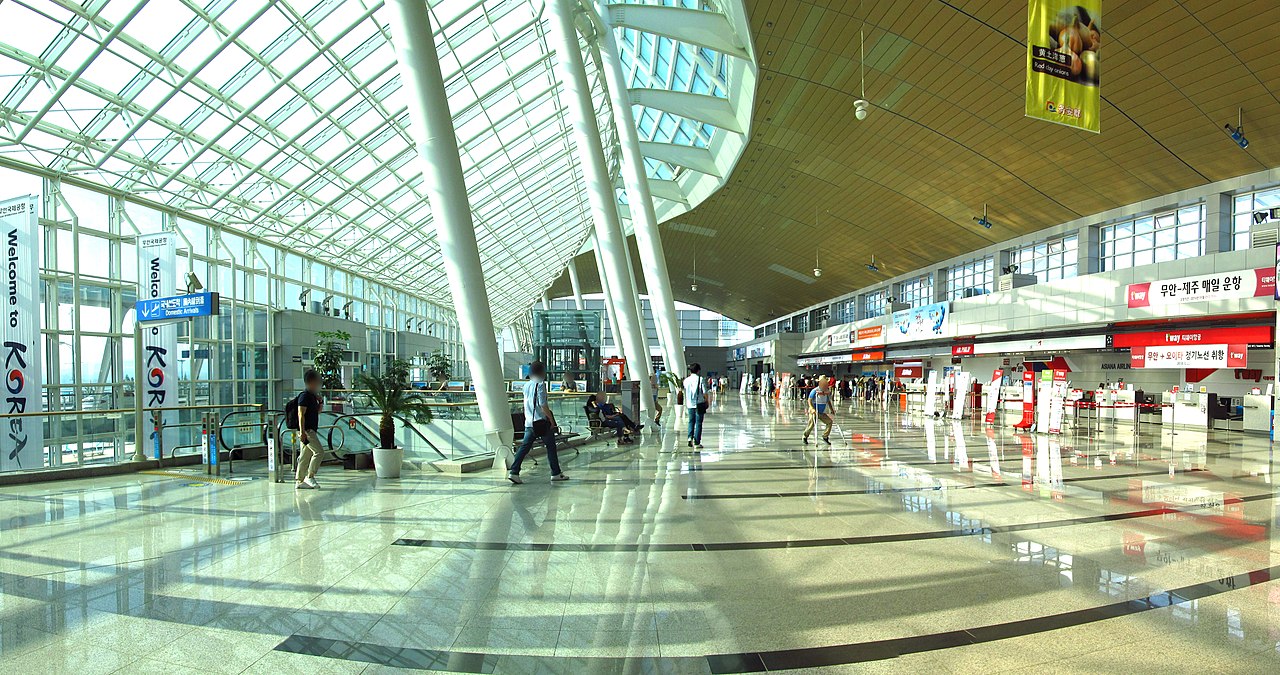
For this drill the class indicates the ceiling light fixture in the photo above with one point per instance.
(872, 266)
(1237, 133)
(861, 106)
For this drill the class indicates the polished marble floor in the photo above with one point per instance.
(908, 545)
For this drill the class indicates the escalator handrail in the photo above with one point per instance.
(407, 424)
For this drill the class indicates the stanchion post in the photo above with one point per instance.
(273, 448)
(157, 436)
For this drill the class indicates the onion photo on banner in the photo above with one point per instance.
(1064, 40)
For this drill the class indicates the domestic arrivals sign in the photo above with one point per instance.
(22, 438)
(177, 307)
(1197, 356)
(157, 278)
(1064, 39)
(1223, 286)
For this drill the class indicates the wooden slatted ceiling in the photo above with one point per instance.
(947, 134)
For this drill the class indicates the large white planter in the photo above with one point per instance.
(386, 463)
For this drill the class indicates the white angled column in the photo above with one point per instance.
(610, 302)
(645, 222)
(432, 128)
(574, 283)
(604, 205)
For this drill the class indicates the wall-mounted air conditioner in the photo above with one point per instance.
(1008, 282)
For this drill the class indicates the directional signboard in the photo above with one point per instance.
(177, 307)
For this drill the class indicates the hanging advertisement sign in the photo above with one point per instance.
(157, 278)
(1063, 62)
(1254, 283)
(1244, 335)
(760, 351)
(926, 322)
(904, 371)
(1201, 356)
(22, 440)
(841, 339)
(992, 400)
(869, 336)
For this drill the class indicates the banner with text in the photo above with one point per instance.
(22, 442)
(1199, 356)
(1063, 63)
(158, 278)
(926, 322)
(1255, 283)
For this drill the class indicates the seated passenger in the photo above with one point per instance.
(614, 419)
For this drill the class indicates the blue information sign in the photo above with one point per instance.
(177, 307)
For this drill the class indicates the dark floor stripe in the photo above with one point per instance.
(814, 657)
(801, 543)
(472, 662)
(927, 488)
(756, 662)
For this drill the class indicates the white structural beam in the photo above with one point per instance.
(648, 239)
(432, 128)
(668, 190)
(574, 283)
(693, 26)
(581, 116)
(716, 111)
(688, 156)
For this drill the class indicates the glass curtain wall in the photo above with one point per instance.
(88, 285)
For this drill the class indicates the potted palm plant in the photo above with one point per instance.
(392, 395)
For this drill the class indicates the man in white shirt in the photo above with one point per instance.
(539, 422)
(695, 401)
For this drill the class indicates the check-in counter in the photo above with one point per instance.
(1257, 414)
(1010, 404)
(915, 396)
(1185, 410)
(1117, 406)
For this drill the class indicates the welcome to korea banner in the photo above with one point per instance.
(1222, 286)
(1064, 40)
(158, 278)
(22, 439)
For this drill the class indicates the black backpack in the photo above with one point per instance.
(291, 414)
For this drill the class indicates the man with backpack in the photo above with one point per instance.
(695, 401)
(303, 415)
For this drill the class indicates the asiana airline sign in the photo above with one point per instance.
(22, 438)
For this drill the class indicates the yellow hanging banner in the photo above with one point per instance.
(1063, 63)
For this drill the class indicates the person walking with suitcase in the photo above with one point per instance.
(695, 400)
(539, 422)
(819, 408)
(308, 418)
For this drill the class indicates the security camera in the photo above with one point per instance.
(860, 109)
(1237, 135)
(817, 271)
